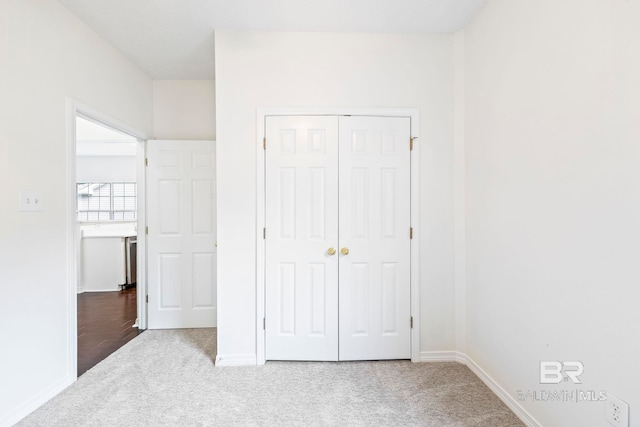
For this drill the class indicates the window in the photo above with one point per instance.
(106, 201)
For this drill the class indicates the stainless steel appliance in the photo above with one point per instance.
(131, 264)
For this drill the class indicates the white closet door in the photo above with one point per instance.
(181, 241)
(301, 225)
(374, 227)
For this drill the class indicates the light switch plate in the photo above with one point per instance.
(31, 201)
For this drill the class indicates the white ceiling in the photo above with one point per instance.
(173, 39)
(93, 139)
(89, 131)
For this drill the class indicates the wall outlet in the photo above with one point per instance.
(616, 411)
(31, 201)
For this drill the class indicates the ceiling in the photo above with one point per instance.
(90, 131)
(174, 39)
(93, 139)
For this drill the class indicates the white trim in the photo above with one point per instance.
(494, 386)
(75, 108)
(338, 111)
(415, 242)
(31, 405)
(508, 400)
(260, 242)
(236, 360)
(442, 356)
(72, 245)
(141, 255)
(414, 115)
(102, 119)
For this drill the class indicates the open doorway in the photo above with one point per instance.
(106, 219)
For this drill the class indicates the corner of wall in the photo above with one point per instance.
(462, 358)
(493, 385)
(459, 190)
(236, 360)
(34, 403)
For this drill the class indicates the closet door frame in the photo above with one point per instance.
(414, 116)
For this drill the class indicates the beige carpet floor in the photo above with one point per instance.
(167, 378)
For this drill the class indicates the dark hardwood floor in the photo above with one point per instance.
(105, 321)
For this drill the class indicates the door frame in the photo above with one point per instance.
(77, 109)
(262, 113)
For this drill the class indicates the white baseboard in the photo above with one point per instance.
(508, 399)
(32, 404)
(441, 356)
(236, 360)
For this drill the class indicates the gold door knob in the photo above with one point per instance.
(331, 251)
(344, 251)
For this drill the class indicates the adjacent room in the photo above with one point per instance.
(106, 177)
(444, 192)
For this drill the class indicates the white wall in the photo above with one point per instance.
(552, 141)
(255, 69)
(184, 109)
(46, 55)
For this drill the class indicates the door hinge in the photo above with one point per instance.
(147, 299)
(264, 233)
(410, 232)
(264, 143)
(146, 162)
(146, 230)
(411, 142)
(411, 322)
(264, 323)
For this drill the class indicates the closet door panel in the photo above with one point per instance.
(301, 225)
(374, 238)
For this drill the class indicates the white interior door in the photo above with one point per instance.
(375, 252)
(181, 234)
(302, 224)
(337, 244)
